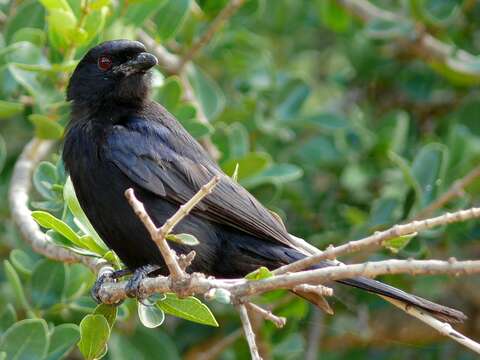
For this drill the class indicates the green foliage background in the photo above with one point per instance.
(336, 125)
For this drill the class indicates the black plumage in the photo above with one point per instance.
(118, 138)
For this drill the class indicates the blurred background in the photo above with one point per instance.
(344, 117)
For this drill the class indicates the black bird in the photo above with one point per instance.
(118, 138)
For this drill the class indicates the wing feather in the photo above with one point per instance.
(169, 163)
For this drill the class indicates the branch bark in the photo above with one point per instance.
(248, 331)
(379, 238)
(207, 36)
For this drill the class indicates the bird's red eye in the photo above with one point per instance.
(104, 62)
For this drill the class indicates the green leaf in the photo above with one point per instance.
(239, 142)
(259, 274)
(95, 22)
(333, 15)
(46, 128)
(94, 335)
(207, 92)
(90, 244)
(428, 169)
(189, 308)
(250, 164)
(31, 35)
(63, 339)
(43, 95)
(383, 211)
(171, 17)
(49, 221)
(47, 283)
(170, 93)
(196, 128)
(9, 109)
(184, 239)
(140, 11)
(62, 241)
(80, 279)
(44, 177)
(56, 5)
(108, 311)
(22, 262)
(7, 318)
(291, 99)
(74, 206)
(328, 121)
(185, 112)
(398, 243)
(235, 173)
(150, 316)
(406, 171)
(27, 14)
(26, 340)
(276, 174)
(17, 287)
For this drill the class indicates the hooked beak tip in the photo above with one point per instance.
(141, 63)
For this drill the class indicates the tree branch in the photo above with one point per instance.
(379, 238)
(240, 289)
(442, 327)
(248, 331)
(457, 189)
(214, 27)
(278, 321)
(158, 235)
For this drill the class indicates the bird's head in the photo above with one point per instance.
(112, 72)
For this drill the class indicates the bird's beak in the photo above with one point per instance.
(140, 63)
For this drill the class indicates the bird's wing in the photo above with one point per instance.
(165, 160)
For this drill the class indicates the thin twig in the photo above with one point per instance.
(248, 331)
(380, 237)
(278, 321)
(214, 27)
(457, 189)
(185, 209)
(442, 327)
(158, 235)
(314, 335)
(242, 288)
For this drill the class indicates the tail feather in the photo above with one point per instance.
(440, 312)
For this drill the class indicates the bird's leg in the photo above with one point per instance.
(106, 277)
(133, 286)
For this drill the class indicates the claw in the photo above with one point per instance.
(133, 288)
(106, 277)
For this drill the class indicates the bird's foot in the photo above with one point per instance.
(133, 288)
(108, 276)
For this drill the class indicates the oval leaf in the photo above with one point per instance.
(150, 316)
(62, 340)
(27, 340)
(47, 283)
(184, 239)
(94, 334)
(189, 308)
(49, 221)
